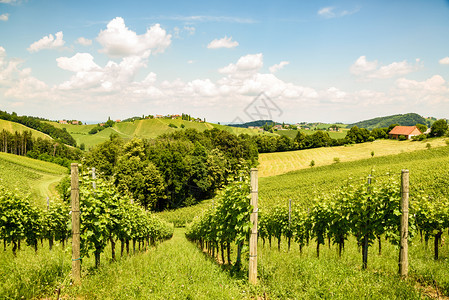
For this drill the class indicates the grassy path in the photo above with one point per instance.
(173, 270)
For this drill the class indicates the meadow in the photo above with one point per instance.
(271, 164)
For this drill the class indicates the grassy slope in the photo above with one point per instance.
(13, 127)
(282, 162)
(149, 128)
(30, 176)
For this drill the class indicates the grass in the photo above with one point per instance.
(13, 127)
(182, 216)
(271, 164)
(177, 269)
(148, 128)
(30, 177)
(293, 275)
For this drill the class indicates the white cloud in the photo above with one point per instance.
(83, 41)
(119, 41)
(90, 76)
(4, 17)
(48, 42)
(279, 66)
(190, 61)
(246, 66)
(8, 1)
(444, 61)
(370, 69)
(330, 12)
(225, 42)
(80, 62)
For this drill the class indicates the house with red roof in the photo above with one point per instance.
(407, 131)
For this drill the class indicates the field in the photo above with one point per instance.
(282, 162)
(178, 269)
(30, 176)
(13, 127)
(148, 128)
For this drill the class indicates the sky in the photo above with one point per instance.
(226, 61)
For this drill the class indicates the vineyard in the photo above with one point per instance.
(106, 219)
(339, 239)
(364, 211)
(29, 176)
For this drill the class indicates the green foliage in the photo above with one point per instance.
(409, 119)
(228, 221)
(439, 128)
(172, 125)
(312, 163)
(108, 216)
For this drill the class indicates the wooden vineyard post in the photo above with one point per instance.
(76, 253)
(403, 252)
(253, 236)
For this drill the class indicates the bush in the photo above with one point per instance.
(420, 137)
(402, 138)
(172, 125)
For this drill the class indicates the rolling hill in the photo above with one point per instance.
(13, 127)
(30, 177)
(148, 128)
(410, 119)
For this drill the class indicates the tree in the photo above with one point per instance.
(439, 128)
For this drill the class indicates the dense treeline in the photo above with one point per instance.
(36, 123)
(266, 143)
(173, 170)
(270, 143)
(22, 143)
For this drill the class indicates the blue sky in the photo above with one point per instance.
(325, 61)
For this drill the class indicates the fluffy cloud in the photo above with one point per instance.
(246, 66)
(444, 61)
(80, 62)
(90, 76)
(370, 69)
(4, 17)
(48, 42)
(83, 41)
(225, 42)
(275, 68)
(119, 41)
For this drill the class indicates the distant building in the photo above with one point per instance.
(74, 122)
(407, 131)
(118, 121)
(62, 122)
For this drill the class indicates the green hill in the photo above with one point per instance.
(30, 176)
(410, 119)
(13, 127)
(148, 128)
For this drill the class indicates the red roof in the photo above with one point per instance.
(404, 130)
